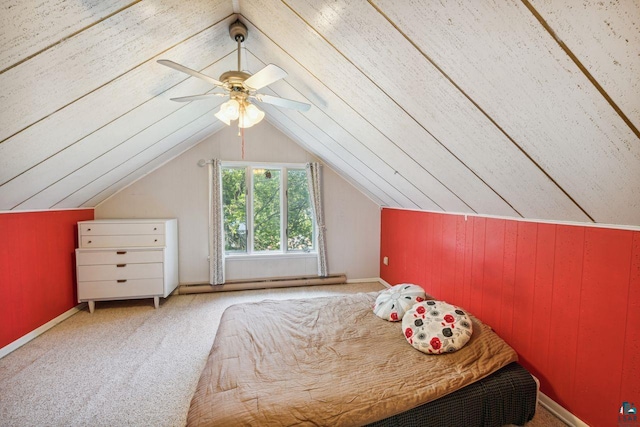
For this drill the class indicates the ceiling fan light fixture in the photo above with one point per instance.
(240, 86)
(222, 118)
(229, 110)
(252, 114)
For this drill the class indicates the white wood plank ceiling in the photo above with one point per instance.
(522, 108)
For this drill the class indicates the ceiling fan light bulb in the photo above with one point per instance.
(254, 114)
(244, 121)
(231, 109)
(222, 117)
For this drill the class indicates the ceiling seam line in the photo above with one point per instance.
(140, 177)
(469, 168)
(111, 81)
(395, 170)
(582, 68)
(393, 24)
(145, 149)
(381, 133)
(360, 71)
(356, 157)
(356, 171)
(491, 119)
(356, 112)
(94, 158)
(416, 121)
(364, 164)
(278, 125)
(145, 164)
(75, 33)
(107, 124)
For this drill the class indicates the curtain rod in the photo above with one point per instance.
(203, 162)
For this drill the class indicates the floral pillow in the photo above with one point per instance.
(436, 327)
(392, 303)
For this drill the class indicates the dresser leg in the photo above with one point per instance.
(156, 301)
(92, 306)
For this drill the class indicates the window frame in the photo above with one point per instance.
(284, 250)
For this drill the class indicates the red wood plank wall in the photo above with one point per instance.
(37, 272)
(565, 297)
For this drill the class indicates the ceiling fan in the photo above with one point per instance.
(240, 87)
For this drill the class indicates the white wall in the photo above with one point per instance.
(179, 190)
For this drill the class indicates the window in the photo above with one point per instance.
(264, 206)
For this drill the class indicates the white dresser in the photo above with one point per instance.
(126, 259)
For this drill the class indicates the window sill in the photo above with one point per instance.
(247, 257)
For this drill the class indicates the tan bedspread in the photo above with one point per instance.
(327, 361)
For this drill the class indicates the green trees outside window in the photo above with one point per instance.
(266, 210)
(234, 201)
(299, 214)
(276, 202)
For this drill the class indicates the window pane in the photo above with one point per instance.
(234, 200)
(266, 209)
(299, 214)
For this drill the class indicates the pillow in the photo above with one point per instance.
(392, 303)
(436, 327)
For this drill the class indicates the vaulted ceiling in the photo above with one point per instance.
(527, 108)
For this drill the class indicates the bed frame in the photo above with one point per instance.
(508, 396)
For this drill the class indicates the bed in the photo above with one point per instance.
(330, 361)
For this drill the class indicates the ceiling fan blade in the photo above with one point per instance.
(197, 97)
(269, 74)
(191, 72)
(283, 102)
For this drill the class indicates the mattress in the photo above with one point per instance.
(328, 361)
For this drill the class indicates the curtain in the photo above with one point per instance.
(315, 192)
(216, 225)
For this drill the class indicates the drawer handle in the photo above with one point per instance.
(122, 280)
(88, 229)
(155, 240)
(155, 228)
(89, 241)
(121, 252)
(121, 265)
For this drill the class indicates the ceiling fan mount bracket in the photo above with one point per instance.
(237, 30)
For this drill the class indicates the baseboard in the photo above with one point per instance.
(384, 282)
(560, 412)
(39, 331)
(365, 280)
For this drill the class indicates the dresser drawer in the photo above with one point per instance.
(118, 256)
(100, 229)
(122, 241)
(119, 271)
(112, 289)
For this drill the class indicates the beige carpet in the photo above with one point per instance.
(128, 364)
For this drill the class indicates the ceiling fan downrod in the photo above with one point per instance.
(238, 32)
